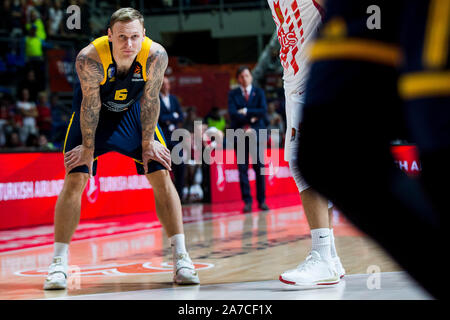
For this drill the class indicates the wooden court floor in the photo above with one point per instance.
(226, 247)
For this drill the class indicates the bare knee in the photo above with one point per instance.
(75, 183)
(160, 181)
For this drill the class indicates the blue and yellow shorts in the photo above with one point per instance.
(116, 131)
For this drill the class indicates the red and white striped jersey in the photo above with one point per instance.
(297, 22)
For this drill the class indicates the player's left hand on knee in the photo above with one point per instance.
(154, 150)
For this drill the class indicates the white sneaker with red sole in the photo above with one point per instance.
(183, 270)
(314, 271)
(339, 267)
(57, 275)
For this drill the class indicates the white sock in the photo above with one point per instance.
(321, 242)
(177, 243)
(333, 247)
(61, 250)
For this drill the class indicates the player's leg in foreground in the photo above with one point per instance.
(168, 209)
(319, 268)
(322, 266)
(67, 216)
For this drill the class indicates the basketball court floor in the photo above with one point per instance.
(238, 257)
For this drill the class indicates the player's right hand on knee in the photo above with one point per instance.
(80, 155)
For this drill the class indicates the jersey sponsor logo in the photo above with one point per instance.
(117, 269)
(288, 40)
(117, 107)
(111, 71)
(137, 75)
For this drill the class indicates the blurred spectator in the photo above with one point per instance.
(274, 62)
(10, 122)
(29, 113)
(213, 139)
(196, 186)
(191, 117)
(189, 124)
(55, 18)
(32, 141)
(171, 115)
(33, 45)
(6, 21)
(44, 119)
(13, 140)
(30, 82)
(198, 174)
(43, 7)
(170, 118)
(215, 119)
(192, 190)
(275, 123)
(27, 7)
(44, 144)
(34, 54)
(4, 117)
(60, 119)
(247, 107)
(16, 18)
(35, 20)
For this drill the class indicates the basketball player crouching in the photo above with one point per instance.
(116, 108)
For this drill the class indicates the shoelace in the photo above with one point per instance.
(57, 268)
(183, 260)
(307, 264)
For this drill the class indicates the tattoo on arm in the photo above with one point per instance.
(156, 66)
(90, 73)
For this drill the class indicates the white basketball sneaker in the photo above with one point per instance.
(183, 270)
(57, 275)
(313, 271)
(339, 267)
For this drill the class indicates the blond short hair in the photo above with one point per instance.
(126, 15)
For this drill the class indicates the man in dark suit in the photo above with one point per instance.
(247, 108)
(170, 118)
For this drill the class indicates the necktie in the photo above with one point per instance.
(246, 95)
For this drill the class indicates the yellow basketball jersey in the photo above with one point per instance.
(117, 94)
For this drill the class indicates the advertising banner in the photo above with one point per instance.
(31, 182)
(225, 177)
(407, 159)
(61, 69)
(202, 90)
